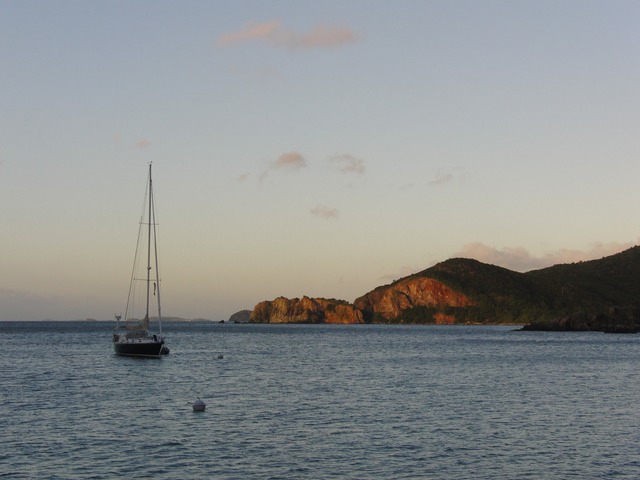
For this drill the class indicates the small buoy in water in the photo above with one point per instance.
(220, 357)
(199, 406)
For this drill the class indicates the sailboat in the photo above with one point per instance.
(133, 337)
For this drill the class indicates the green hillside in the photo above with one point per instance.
(499, 295)
(504, 296)
(592, 286)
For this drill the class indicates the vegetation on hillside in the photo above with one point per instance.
(500, 295)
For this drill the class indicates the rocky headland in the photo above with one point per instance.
(390, 302)
(596, 295)
(305, 310)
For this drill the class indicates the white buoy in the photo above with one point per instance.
(199, 406)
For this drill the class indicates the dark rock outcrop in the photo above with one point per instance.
(615, 320)
(240, 317)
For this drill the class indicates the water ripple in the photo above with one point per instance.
(321, 402)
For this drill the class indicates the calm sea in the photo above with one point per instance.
(319, 402)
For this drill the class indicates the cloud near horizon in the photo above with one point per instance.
(275, 34)
(519, 259)
(322, 211)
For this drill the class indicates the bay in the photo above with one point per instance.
(320, 402)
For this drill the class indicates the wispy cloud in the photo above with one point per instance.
(142, 143)
(251, 31)
(322, 211)
(290, 161)
(441, 178)
(348, 163)
(275, 34)
(519, 258)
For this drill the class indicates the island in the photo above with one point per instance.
(600, 295)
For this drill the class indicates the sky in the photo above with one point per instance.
(307, 148)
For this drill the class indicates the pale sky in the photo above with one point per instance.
(307, 148)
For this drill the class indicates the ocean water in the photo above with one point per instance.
(319, 402)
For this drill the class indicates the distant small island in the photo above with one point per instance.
(597, 295)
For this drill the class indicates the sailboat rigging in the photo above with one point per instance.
(134, 338)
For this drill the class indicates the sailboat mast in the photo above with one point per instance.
(149, 244)
(156, 285)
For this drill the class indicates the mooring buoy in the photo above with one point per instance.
(199, 406)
